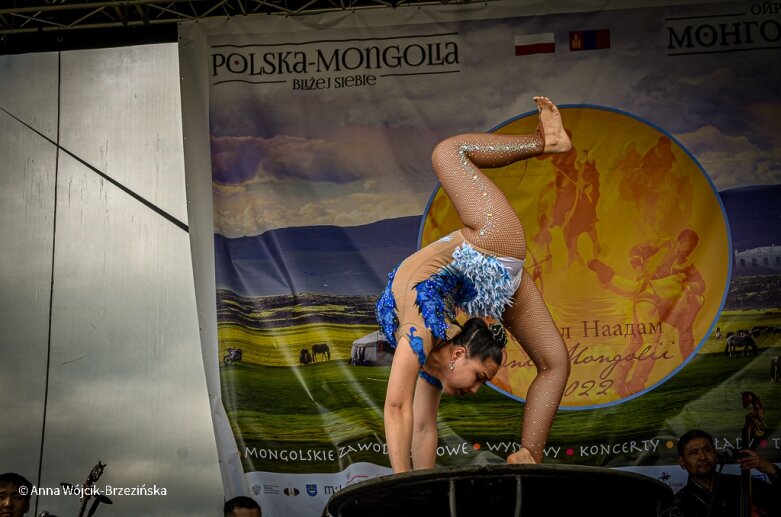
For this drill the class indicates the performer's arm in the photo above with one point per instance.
(608, 279)
(424, 435)
(398, 406)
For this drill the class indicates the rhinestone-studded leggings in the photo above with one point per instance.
(492, 224)
(489, 219)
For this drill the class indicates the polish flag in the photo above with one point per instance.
(526, 44)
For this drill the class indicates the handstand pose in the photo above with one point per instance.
(477, 269)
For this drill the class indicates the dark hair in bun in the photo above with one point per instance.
(500, 336)
(481, 341)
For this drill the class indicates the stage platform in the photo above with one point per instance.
(504, 490)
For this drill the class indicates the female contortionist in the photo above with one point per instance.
(478, 270)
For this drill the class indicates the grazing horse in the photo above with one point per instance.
(744, 342)
(305, 357)
(322, 349)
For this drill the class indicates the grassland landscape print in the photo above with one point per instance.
(319, 194)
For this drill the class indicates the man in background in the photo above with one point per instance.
(710, 493)
(242, 506)
(14, 495)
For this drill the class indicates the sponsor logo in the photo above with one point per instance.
(291, 491)
(331, 489)
(311, 490)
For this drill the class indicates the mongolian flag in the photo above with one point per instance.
(589, 40)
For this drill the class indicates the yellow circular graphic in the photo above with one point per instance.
(628, 244)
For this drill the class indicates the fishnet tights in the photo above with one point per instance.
(492, 224)
(530, 322)
(489, 219)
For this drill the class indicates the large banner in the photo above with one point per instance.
(654, 240)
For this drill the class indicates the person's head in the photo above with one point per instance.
(13, 501)
(475, 356)
(664, 142)
(242, 506)
(697, 453)
(687, 241)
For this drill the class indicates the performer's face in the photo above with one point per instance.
(699, 457)
(468, 375)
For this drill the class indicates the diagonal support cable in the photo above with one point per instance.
(173, 220)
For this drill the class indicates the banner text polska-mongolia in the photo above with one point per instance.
(286, 62)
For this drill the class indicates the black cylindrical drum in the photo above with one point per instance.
(504, 490)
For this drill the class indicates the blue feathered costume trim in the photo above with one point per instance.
(438, 297)
(495, 285)
(476, 283)
(386, 311)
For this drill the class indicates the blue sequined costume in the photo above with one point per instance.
(438, 280)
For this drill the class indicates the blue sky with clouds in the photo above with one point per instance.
(353, 156)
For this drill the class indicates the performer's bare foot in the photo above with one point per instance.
(553, 133)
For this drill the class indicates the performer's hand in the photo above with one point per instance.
(751, 460)
(522, 456)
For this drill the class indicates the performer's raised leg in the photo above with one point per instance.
(489, 219)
